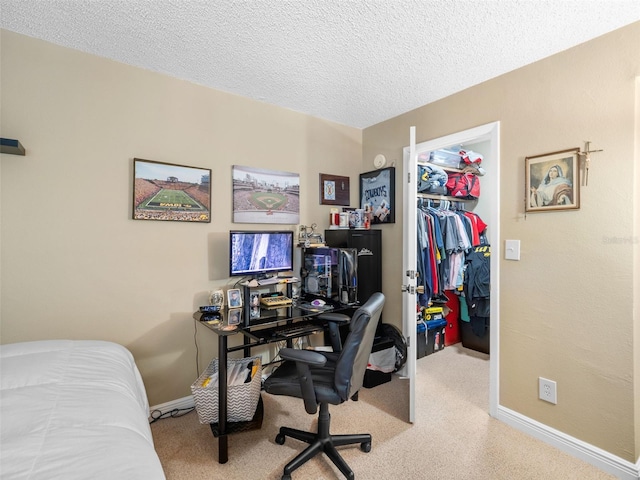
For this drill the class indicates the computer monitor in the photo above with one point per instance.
(258, 253)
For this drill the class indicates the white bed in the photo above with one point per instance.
(73, 410)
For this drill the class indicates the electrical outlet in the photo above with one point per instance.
(547, 390)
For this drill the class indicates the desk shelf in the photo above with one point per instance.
(237, 427)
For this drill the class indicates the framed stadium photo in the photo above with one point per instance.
(552, 181)
(265, 196)
(170, 192)
(378, 194)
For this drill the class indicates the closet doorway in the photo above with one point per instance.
(485, 140)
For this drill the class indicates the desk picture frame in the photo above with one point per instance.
(378, 193)
(254, 299)
(254, 312)
(234, 298)
(234, 316)
(552, 181)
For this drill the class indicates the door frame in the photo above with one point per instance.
(491, 191)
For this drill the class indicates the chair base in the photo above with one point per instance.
(322, 441)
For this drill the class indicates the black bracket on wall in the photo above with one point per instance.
(14, 147)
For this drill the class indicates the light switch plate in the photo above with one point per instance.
(512, 250)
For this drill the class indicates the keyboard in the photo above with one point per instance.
(277, 301)
(295, 330)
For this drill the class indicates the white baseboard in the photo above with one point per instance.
(184, 402)
(605, 461)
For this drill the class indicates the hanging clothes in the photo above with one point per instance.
(445, 235)
(477, 287)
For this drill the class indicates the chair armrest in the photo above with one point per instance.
(302, 359)
(308, 357)
(339, 318)
(334, 320)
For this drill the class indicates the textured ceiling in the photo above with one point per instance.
(355, 62)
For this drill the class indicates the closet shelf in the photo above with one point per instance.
(446, 169)
(445, 197)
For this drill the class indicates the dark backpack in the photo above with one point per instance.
(463, 185)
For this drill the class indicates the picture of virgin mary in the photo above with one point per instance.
(554, 189)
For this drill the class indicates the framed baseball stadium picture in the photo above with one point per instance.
(552, 181)
(378, 194)
(265, 196)
(171, 192)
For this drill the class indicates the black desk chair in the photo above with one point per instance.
(323, 378)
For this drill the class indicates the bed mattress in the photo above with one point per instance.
(73, 410)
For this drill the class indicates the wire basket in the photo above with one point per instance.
(242, 399)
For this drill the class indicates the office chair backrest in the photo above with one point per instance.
(354, 357)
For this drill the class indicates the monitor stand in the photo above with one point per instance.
(264, 280)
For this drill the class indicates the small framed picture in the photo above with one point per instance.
(334, 190)
(552, 181)
(234, 298)
(235, 316)
(254, 304)
(254, 299)
(254, 312)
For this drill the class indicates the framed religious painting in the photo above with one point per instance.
(552, 181)
(378, 195)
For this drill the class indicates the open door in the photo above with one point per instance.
(409, 267)
(485, 139)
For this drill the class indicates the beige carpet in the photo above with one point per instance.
(453, 436)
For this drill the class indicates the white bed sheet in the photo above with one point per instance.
(73, 410)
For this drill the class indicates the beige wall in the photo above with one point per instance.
(568, 309)
(74, 264)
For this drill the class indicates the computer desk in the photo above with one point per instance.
(274, 325)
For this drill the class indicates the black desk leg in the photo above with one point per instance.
(222, 399)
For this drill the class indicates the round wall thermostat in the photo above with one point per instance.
(379, 161)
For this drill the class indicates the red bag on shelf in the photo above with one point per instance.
(463, 185)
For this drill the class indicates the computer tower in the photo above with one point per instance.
(330, 273)
(368, 244)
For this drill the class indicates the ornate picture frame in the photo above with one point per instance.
(552, 181)
(378, 193)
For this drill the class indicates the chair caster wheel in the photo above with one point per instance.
(286, 477)
(280, 441)
(365, 447)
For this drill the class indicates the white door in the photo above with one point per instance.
(409, 266)
(487, 136)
